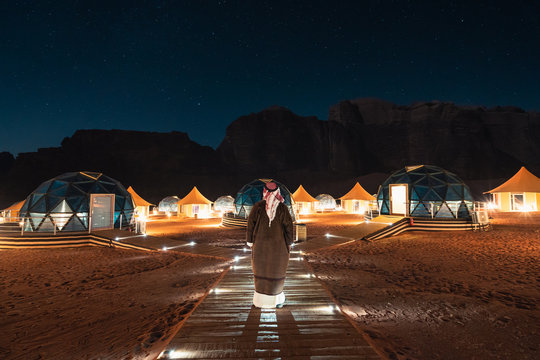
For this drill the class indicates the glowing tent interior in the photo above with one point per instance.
(357, 200)
(519, 193)
(194, 204)
(303, 201)
(76, 201)
(425, 191)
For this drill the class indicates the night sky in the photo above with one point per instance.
(195, 66)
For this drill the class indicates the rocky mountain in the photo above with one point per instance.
(360, 137)
(153, 163)
(474, 142)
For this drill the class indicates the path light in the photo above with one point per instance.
(327, 235)
(244, 249)
(329, 309)
(164, 248)
(236, 258)
(116, 238)
(175, 354)
(192, 243)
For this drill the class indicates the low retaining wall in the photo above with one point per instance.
(56, 241)
(233, 222)
(422, 224)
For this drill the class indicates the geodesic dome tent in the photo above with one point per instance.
(425, 191)
(251, 193)
(65, 202)
(169, 204)
(326, 202)
(224, 204)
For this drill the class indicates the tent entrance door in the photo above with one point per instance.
(101, 211)
(398, 199)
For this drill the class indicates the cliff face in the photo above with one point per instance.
(474, 142)
(153, 163)
(276, 140)
(362, 136)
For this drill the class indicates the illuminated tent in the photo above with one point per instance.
(325, 202)
(169, 204)
(357, 200)
(224, 204)
(142, 207)
(12, 213)
(520, 193)
(194, 204)
(425, 191)
(304, 202)
(251, 193)
(70, 200)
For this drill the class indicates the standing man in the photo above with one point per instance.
(270, 234)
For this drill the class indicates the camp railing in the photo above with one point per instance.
(57, 221)
(431, 207)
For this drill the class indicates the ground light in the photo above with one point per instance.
(175, 354)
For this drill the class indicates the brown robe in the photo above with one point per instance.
(271, 245)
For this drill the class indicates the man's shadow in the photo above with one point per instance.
(275, 328)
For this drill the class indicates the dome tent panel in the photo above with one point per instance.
(224, 204)
(67, 206)
(430, 190)
(326, 202)
(169, 204)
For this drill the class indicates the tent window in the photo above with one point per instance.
(517, 202)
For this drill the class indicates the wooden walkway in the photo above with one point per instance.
(309, 326)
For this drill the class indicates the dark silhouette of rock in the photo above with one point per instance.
(363, 139)
(155, 164)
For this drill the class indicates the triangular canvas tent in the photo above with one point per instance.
(357, 200)
(12, 213)
(358, 193)
(142, 207)
(194, 204)
(304, 202)
(520, 193)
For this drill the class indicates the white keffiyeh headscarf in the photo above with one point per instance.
(272, 196)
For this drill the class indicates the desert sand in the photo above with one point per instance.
(420, 295)
(95, 303)
(443, 295)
